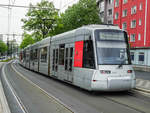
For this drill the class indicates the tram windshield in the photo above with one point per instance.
(112, 47)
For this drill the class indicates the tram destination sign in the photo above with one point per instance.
(111, 36)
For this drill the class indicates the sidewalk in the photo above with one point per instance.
(143, 85)
(141, 68)
(4, 108)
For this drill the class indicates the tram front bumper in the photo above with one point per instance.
(114, 84)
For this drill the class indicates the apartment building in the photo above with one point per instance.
(106, 10)
(134, 17)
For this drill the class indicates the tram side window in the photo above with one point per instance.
(27, 56)
(24, 55)
(44, 54)
(88, 55)
(56, 63)
(61, 54)
(31, 55)
(66, 59)
(53, 65)
(70, 60)
(36, 55)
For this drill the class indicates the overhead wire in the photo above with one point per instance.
(67, 4)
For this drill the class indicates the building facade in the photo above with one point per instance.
(106, 10)
(134, 17)
(1, 37)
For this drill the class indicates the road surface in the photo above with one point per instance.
(73, 99)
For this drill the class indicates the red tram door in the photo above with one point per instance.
(78, 54)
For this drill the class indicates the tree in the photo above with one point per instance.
(85, 12)
(26, 41)
(42, 20)
(3, 47)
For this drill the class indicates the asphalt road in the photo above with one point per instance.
(78, 100)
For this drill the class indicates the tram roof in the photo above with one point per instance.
(86, 28)
(83, 29)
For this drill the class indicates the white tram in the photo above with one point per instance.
(93, 57)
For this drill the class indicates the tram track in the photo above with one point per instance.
(112, 99)
(60, 107)
(43, 91)
(13, 92)
(115, 101)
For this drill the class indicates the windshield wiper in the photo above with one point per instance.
(120, 65)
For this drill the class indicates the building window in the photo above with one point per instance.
(116, 3)
(141, 57)
(133, 23)
(132, 56)
(140, 22)
(124, 26)
(132, 38)
(109, 22)
(110, 1)
(102, 16)
(109, 12)
(133, 10)
(117, 15)
(140, 8)
(125, 1)
(101, 6)
(124, 13)
(139, 36)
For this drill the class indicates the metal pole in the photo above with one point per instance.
(8, 28)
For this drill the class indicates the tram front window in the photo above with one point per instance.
(112, 47)
(112, 56)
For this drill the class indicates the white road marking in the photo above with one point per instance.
(44, 92)
(13, 92)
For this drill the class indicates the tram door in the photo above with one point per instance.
(55, 62)
(69, 62)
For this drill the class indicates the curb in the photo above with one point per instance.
(5, 107)
(143, 90)
(142, 68)
(3, 100)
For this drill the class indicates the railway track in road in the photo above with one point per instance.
(58, 106)
(132, 103)
(14, 94)
(125, 102)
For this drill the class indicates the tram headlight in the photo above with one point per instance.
(105, 71)
(129, 71)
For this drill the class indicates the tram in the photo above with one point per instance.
(92, 57)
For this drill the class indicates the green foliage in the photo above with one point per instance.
(85, 12)
(3, 47)
(26, 41)
(45, 21)
(42, 20)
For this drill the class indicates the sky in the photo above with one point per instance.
(16, 14)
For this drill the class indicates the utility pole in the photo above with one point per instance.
(13, 44)
(8, 28)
